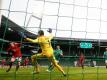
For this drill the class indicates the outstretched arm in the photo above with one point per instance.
(32, 40)
(28, 39)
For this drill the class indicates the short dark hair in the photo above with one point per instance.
(40, 32)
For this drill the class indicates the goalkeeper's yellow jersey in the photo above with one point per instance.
(44, 41)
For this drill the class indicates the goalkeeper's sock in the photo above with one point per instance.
(36, 67)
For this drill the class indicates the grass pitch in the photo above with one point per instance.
(73, 73)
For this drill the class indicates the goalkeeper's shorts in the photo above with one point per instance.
(49, 54)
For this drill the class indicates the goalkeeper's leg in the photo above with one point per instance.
(34, 62)
(58, 66)
(51, 67)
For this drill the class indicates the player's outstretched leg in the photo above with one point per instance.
(58, 67)
(10, 65)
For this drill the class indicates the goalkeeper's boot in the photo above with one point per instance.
(64, 75)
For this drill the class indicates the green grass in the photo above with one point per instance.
(74, 73)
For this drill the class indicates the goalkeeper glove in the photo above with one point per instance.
(49, 30)
(23, 35)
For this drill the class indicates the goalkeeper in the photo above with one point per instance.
(47, 50)
(58, 54)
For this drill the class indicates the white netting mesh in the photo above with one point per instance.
(84, 19)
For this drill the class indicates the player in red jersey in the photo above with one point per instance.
(26, 61)
(3, 63)
(14, 48)
(81, 60)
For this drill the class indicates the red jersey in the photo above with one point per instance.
(15, 48)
